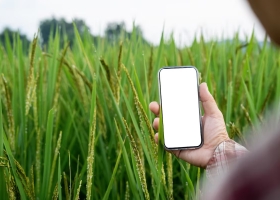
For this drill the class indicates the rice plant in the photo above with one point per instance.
(75, 122)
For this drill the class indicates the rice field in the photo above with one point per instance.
(75, 122)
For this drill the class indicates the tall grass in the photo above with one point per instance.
(75, 121)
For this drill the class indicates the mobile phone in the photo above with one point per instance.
(180, 107)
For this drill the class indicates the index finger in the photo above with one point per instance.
(154, 107)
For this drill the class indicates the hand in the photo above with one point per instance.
(213, 126)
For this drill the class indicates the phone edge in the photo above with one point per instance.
(199, 106)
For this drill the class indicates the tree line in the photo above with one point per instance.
(49, 27)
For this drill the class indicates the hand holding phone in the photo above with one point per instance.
(214, 129)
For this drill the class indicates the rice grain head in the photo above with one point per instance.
(141, 113)
(139, 165)
(127, 195)
(56, 153)
(90, 158)
(55, 193)
(78, 191)
(66, 188)
(11, 186)
(169, 175)
(117, 88)
(11, 122)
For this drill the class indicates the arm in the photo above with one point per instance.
(224, 156)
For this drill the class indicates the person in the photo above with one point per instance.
(236, 172)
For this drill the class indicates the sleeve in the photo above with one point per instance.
(224, 156)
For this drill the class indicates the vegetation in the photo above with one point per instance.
(75, 121)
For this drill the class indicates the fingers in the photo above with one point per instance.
(156, 123)
(209, 104)
(156, 138)
(154, 107)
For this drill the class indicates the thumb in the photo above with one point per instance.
(208, 102)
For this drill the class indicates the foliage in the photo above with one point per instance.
(114, 31)
(49, 27)
(9, 36)
(75, 121)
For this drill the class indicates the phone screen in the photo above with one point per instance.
(180, 107)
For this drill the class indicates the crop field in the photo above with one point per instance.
(75, 121)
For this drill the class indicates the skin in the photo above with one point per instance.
(213, 126)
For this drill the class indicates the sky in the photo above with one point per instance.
(218, 19)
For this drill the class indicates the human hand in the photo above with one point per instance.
(214, 130)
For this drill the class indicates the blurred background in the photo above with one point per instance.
(75, 99)
(216, 19)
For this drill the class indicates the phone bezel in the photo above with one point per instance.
(199, 108)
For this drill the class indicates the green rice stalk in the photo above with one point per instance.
(84, 78)
(247, 115)
(110, 77)
(77, 78)
(108, 73)
(169, 175)
(11, 186)
(141, 112)
(141, 152)
(38, 142)
(86, 81)
(270, 91)
(127, 195)
(31, 183)
(24, 180)
(181, 59)
(3, 162)
(234, 131)
(31, 87)
(81, 88)
(113, 177)
(31, 84)
(90, 158)
(38, 161)
(229, 78)
(190, 56)
(33, 49)
(55, 193)
(101, 120)
(11, 122)
(56, 153)
(150, 71)
(66, 188)
(197, 183)
(153, 186)
(78, 191)
(117, 89)
(58, 79)
(139, 164)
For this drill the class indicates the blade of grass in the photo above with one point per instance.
(127, 164)
(47, 155)
(113, 177)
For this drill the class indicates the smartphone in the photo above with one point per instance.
(180, 107)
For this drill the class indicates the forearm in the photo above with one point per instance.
(224, 156)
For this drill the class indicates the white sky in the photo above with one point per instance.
(216, 18)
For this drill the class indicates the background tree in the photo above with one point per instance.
(116, 31)
(49, 27)
(8, 37)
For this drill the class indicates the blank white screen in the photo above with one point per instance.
(180, 107)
